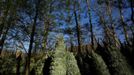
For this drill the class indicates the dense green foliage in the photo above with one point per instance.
(64, 62)
(99, 64)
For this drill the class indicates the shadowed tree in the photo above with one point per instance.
(124, 25)
(27, 71)
(7, 22)
(78, 29)
(90, 22)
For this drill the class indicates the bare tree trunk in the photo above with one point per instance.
(27, 70)
(30, 48)
(132, 11)
(90, 21)
(78, 31)
(46, 31)
(71, 44)
(18, 59)
(112, 26)
(124, 25)
(106, 30)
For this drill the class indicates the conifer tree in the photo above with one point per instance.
(63, 62)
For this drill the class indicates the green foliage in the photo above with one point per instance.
(58, 65)
(7, 66)
(39, 67)
(64, 62)
(119, 63)
(37, 63)
(99, 64)
(71, 63)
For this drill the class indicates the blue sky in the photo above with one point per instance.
(84, 19)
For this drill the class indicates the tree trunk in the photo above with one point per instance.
(90, 21)
(106, 30)
(124, 25)
(132, 11)
(27, 71)
(112, 26)
(3, 40)
(78, 32)
(2, 25)
(5, 34)
(18, 65)
(46, 31)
